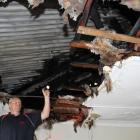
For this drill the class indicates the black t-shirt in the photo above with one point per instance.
(19, 127)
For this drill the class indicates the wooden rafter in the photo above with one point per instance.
(85, 15)
(80, 44)
(107, 34)
(119, 55)
(84, 65)
(86, 12)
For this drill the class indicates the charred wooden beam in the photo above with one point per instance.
(79, 44)
(42, 83)
(64, 110)
(135, 28)
(129, 54)
(105, 51)
(67, 106)
(84, 65)
(107, 34)
(136, 47)
(86, 12)
(73, 88)
(95, 16)
(83, 77)
(84, 18)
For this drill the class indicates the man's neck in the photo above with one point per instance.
(15, 113)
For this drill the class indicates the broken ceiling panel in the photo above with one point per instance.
(32, 3)
(134, 4)
(72, 7)
(35, 3)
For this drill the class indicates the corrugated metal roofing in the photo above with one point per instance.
(26, 42)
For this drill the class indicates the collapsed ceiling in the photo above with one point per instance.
(75, 69)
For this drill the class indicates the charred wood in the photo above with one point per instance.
(84, 65)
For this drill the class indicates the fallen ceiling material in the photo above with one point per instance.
(67, 109)
(3, 1)
(109, 54)
(32, 3)
(72, 7)
(35, 3)
(134, 4)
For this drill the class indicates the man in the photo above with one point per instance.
(17, 126)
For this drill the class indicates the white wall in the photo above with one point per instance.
(64, 131)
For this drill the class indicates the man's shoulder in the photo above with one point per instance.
(3, 116)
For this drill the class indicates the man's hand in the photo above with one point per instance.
(46, 92)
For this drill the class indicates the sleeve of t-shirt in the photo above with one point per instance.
(35, 118)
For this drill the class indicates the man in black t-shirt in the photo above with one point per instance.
(17, 126)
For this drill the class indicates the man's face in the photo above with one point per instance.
(15, 104)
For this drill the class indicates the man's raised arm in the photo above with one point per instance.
(46, 109)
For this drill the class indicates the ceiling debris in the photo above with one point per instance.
(104, 44)
(137, 46)
(108, 53)
(32, 3)
(3, 1)
(4, 97)
(107, 80)
(70, 109)
(134, 4)
(67, 109)
(90, 90)
(35, 3)
(73, 8)
(90, 120)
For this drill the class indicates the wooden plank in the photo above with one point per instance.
(73, 88)
(88, 45)
(107, 34)
(84, 65)
(135, 28)
(85, 14)
(80, 44)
